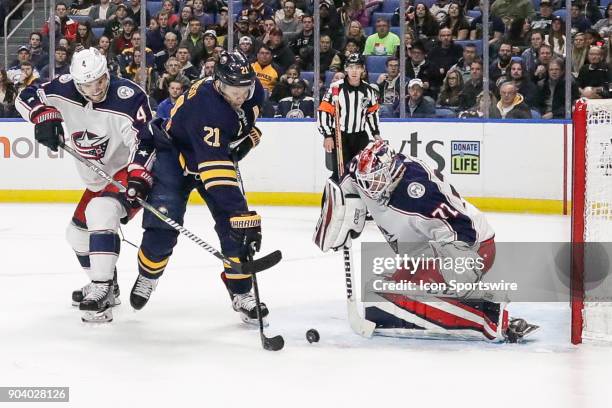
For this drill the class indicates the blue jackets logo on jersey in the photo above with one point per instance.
(89, 145)
(416, 190)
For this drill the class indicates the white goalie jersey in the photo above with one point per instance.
(105, 133)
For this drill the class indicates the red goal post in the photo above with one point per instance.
(591, 305)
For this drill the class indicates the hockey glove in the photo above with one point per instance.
(249, 142)
(139, 183)
(48, 129)
(246, 232)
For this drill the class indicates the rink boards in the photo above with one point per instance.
(498, 165)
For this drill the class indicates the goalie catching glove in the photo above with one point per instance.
(342, 218)
(246, 232)
(48, 129)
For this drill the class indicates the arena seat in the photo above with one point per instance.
(389, 6)
(377, 15)
(561, 13)
(153, 7)
(98, 31)
(80, 19)
(376, 63)
(308, 76)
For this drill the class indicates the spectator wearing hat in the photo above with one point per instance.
(417, 106)
(382, 42)
(134, 12)
(242, 30)
(62, 65)
(194, 41)
(419, 67)
(281, 53)
(210, 43)
(125, 39)
(175, 89)
(298, 105)
(65, 27)
(245, 44)
(289, 23)
(113, 26)
(99, 14)
(302, 45)
(14, 72)
(267, 73)
(511, 103)
(543, 19)
(330, 23)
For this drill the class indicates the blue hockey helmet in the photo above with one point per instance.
(234, 69)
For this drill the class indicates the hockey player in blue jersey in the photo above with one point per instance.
(410, 203)
(211, 128)
(104, 117)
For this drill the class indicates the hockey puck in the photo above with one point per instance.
(312, 336)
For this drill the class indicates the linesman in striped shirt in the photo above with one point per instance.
(358, 103)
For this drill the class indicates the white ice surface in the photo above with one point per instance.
(188, 348)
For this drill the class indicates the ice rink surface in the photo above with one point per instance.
(188, 348)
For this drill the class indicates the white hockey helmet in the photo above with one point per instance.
(89, 65)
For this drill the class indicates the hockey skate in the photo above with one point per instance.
(79, 294)
(518, 329)
(98, 303)
(141, 291)
(245, 304)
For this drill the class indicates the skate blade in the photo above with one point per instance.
(105, 316)
(117, 302)
(253, 322)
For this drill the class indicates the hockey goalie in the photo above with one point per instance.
(410, 203)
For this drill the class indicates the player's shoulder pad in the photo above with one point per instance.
(62, 86)
(125, 96)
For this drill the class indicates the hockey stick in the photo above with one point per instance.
(269, 343)
(359, 325)
(247, 268)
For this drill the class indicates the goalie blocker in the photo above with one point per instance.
(410, 203)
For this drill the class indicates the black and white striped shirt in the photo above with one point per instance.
(358, 109)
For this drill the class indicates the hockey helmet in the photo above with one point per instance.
(354, 59)
(378, 170)
(234, 69)
(87, 67)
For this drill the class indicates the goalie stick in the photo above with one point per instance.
(247, 268)
(358, 324)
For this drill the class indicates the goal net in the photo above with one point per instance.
(591, 285)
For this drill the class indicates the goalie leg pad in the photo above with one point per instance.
(342, 218)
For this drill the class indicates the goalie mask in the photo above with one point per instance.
(90, 74)
(378, 170)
